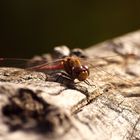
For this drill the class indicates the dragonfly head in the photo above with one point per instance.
(81, 73)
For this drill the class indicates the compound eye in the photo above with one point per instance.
(86, 69)
(81, 73)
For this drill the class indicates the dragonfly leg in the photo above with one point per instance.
(64, 78)
(61, 77)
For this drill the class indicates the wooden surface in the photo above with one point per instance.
(34, 108)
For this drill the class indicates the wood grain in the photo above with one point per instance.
(34, 108)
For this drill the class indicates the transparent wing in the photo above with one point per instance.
(109, 73)
(38, 62)
(27, 63)
(13, 62)
(101, 61)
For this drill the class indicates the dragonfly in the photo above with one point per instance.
(71, 68)
(70, 65)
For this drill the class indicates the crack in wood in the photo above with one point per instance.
(132, 136)
(92, 96)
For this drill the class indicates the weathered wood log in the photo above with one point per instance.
(34, 108)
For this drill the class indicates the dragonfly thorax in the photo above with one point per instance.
(73, 67)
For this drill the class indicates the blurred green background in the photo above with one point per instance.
(30, 27)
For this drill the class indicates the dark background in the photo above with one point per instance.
(29, 27)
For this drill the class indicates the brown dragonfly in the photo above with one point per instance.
(73, 68)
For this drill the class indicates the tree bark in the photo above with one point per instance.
(106, 109)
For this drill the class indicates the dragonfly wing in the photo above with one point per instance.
(101, 61)
(109, 75)
(28, 64)
(13, 62)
